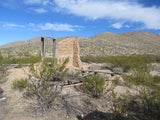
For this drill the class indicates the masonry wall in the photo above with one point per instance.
(69, 48)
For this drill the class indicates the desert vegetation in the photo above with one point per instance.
(3, 69)
(46, 80)
(146, 103)
(20, 84)
(105, 44)
(126, 62)
(6, 62)
(94, 85)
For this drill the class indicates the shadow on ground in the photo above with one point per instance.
(97, 115)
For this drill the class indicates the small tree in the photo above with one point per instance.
(94, 84)
(46, 82)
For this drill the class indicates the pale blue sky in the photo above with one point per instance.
(25, 19)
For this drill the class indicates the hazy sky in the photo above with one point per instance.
(25, 19)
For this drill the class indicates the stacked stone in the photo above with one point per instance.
(69, 48)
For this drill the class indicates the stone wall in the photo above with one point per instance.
(69, 48)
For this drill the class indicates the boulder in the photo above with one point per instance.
(118, 70)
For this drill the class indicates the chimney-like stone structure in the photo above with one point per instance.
(67, 48)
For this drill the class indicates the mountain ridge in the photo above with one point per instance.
(107, 43)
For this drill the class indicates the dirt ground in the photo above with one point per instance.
(77, 104)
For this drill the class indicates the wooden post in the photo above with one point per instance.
(54, 54)
(43, 47)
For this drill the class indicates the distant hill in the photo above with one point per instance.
(138, 42)
(20, 43)
(142, 35)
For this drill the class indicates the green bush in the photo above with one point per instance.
(3, 76)
(156, 79)
(20, 84)
(1, 57)
(158, 59)
(146, 105)
(94, 85)
(3, 73)
(46, 82)
(116, 81)
(138, 77)
(144, 78)
(25, 60)
(127, 62)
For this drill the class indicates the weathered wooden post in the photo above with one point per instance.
(54, 54)
(43, 47)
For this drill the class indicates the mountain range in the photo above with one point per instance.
(130, 43)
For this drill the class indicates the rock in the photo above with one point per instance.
(95, 67)
(14, 65)
(84, 63)
(3, 98)
(107, 76)
(118, 70)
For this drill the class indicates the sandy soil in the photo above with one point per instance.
(77, 103)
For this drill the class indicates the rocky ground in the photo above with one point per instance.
(76, 104)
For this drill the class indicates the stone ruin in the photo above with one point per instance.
(67, 48)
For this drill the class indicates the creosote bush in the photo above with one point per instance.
(20, 84)
(3, 73)
(1, 56)
(24, 60)
(138, 77)
(116, 81)
(94, 84)
(146, 104)
(126, 62)
(46, 81)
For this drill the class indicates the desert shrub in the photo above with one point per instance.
(145, 105)
(156, 79)
(116, 81)
(24, 60)
(1, 56)
(141, 77)
(94, 85)
(97, 59)
(126, 62)
(150, 103)
(129, 62)
(119, 111)
(20, 84)
(157, 59)
(46, 82)
(3, 73)
(138, 77)
(48, 59)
